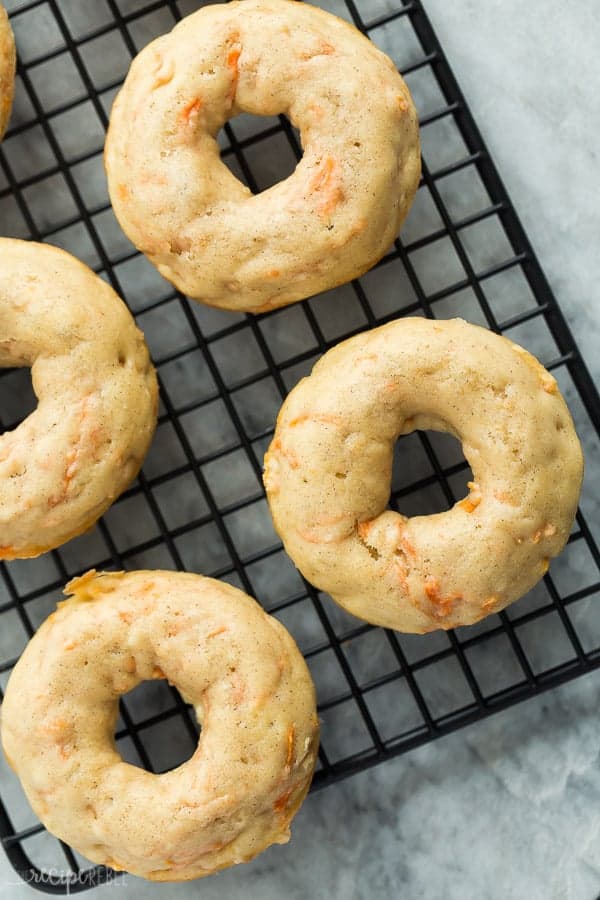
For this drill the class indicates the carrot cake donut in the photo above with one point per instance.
(7, 69)
(332, 219)
(63, 466)
(328, 473)
(252, 694)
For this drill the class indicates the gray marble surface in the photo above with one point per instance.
(508, 808)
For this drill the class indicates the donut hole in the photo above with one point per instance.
(429, 473)
(157, 731)
(270, 158)
(17, 398)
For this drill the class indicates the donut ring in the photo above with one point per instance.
(329, 221)
(8, 61)
(250, 687)
(97, 398)
(328, 474)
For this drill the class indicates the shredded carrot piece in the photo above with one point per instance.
(232, 64)
(443, 604)
(265, 307)
(401, 573)
(290, 746)
(364, 528)
(445, 607)
(59, 731)
(239, 689)
(71, 467)
(281, 802)
(473, 500)
(317, 111)
(324, 49)
(408, 548)
(221, 630)
(316, 536)
(232, 59)
(432, 588)
(190, 112)
(324, 419)
(490, 603)
(291, 458)
(326, 183)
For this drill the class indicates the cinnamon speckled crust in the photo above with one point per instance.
(328, 474)
(63, 466)
(329, 221)
(7, 69)
(251, 691)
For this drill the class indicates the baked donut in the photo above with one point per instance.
(8, 61)
(63, 466)
(328, 474)
(251, 691)
(329, 221)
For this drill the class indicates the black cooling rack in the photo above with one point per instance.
(199, 503)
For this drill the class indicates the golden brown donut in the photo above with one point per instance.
(329, 221)
(328, 474)
(251, 691)
(63, 466)
(8, 59)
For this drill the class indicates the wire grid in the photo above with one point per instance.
(199, 502)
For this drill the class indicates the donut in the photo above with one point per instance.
(332, 219)
(8, 61)
(328, 474)
(251, 691)
(63, 466)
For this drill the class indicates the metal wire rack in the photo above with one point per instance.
(199, 503)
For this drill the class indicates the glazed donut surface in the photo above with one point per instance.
(328, 474)
(7, 69)
(63, 466)
(325, 224)
(251, 691)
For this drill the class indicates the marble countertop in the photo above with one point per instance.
(510, 807)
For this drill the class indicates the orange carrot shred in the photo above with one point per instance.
(290, 745)
(281, 802)
(191, 111)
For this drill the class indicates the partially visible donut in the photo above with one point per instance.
(328, 474)
(8, 60)
(332, 219)
(251, 691)
(63, 466)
